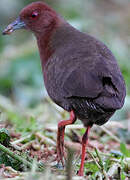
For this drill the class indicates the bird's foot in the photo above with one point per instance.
(80, 173)
(61, 156)
(59, 166)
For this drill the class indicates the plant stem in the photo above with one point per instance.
(94, 159)
(15, 156)
(18, 158)
(101, 165)
(69, 165)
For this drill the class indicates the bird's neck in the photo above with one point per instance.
(44, 42)
(44, 47)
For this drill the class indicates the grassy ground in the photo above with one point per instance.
(29, 149)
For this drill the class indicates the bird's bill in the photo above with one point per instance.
(17, 24)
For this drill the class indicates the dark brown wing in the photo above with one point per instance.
(103, 84)
(82, 83)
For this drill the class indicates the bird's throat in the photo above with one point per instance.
(44, 42)
(44, 47)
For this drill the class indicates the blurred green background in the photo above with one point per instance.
(21, 78)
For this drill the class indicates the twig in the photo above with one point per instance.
(14, 146)
(110, 134)
(115, 124)
(9, 168)
(27, 145)
(53, 127)
(45, 139)
(21, 139)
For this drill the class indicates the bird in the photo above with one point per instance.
(81, 74)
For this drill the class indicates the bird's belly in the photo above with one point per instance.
(90, 113)
(55, 92)
(53, 78)
(92, 117)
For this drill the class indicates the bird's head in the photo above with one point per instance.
(37, 17)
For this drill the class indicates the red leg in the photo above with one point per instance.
(84, 143)
(60, 136)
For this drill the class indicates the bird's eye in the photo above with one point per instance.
(34, 15)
